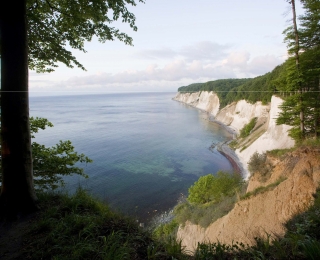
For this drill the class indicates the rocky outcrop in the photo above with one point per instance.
(264, 213)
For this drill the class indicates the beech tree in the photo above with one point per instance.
(35, 33)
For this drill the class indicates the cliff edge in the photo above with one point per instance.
(287, 191)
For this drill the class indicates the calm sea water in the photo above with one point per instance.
(146, 148)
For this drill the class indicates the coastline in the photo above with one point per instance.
(228, 153)
(224, 148)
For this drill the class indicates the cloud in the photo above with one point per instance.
(200, 62)
(262, 64)
(172, 71)
(237, 64)
(205, 51)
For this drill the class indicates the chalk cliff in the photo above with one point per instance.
(269, 136)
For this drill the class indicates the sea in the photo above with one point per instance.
(147, 149)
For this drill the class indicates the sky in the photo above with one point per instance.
(178, 42)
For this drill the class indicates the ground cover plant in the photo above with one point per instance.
(82, 227)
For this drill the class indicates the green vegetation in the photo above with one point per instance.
(258, 165)
(164, 231)
(301, 108)
(51, 164)
(279, 152)
(263, 189)
(210, 198)
(211, 188)
(246, 130)
(81, 227)
(206, 214)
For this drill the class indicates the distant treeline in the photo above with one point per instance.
(251, 89)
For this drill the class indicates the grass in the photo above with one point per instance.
(80, 227)
(279, 152)
(263, 189)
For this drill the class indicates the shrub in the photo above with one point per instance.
(212, 187)
(258, 164)
(166, 230)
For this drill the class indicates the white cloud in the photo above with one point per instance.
(237, 64)
(204, 50)
(200, 62)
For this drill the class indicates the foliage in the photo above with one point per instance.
(56, 24)
(166, 230)
(206, 214)
(300, 79)
(50, 164)
(246, 130)
(211, 188)
(257, 163)
(210, 198)
(80, 227)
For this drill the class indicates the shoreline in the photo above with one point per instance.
(231, 156)
(224, 148)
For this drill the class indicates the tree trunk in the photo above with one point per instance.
(17, 193)
(296, 51)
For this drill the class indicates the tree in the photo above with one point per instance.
(42, 29)
(294, 47)
(211, 188)
(301, 109)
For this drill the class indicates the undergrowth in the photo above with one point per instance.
(80, 227)
(205, 214)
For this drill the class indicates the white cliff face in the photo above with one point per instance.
(238, 114)
(206, 101)
(275, 137)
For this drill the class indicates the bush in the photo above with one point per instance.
(211, 188)
(258, 164)
(166, 230)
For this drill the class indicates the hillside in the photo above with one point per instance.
(271, 200)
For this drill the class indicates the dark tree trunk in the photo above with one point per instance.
(17, 193)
